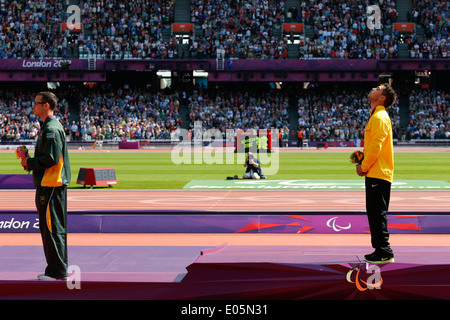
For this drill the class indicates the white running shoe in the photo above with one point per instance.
(43, 276)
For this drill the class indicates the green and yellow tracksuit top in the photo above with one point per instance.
(50, 165)
(378, 146)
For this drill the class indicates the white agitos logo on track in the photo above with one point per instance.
(331, 223)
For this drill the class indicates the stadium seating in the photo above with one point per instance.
(248, 29)
(429, 116)
(239, 110)
(134, 114)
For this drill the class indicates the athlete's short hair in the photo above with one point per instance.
(390, 95)
(50, 98)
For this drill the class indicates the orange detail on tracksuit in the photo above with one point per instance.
(48, 217)
(50, 163)
(52, 176)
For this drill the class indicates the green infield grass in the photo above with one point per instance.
(148, 170)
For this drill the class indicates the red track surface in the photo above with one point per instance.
(230, 200)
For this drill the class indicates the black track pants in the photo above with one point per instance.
(51, 203)
(377, 205)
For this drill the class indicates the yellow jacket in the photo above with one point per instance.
(378, 146)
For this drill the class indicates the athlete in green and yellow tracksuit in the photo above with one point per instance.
(51, 176)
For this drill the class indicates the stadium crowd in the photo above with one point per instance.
(131, 113)
(433, 16)
(242, 29)
(340, 31)
(17, 120)
(34, 29)
(429, 116)
(250, 29)
(236, 29)
(127, 27)
(28, 30)
(230, 110)
(325, 116)
(126, 113)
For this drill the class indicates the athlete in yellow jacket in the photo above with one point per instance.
(378, 168)
(378, 146)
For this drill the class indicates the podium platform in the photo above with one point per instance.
(227, 272)
(16, 181)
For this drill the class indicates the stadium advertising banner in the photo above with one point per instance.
(241, 65)
(231, 222)
(43, 64)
